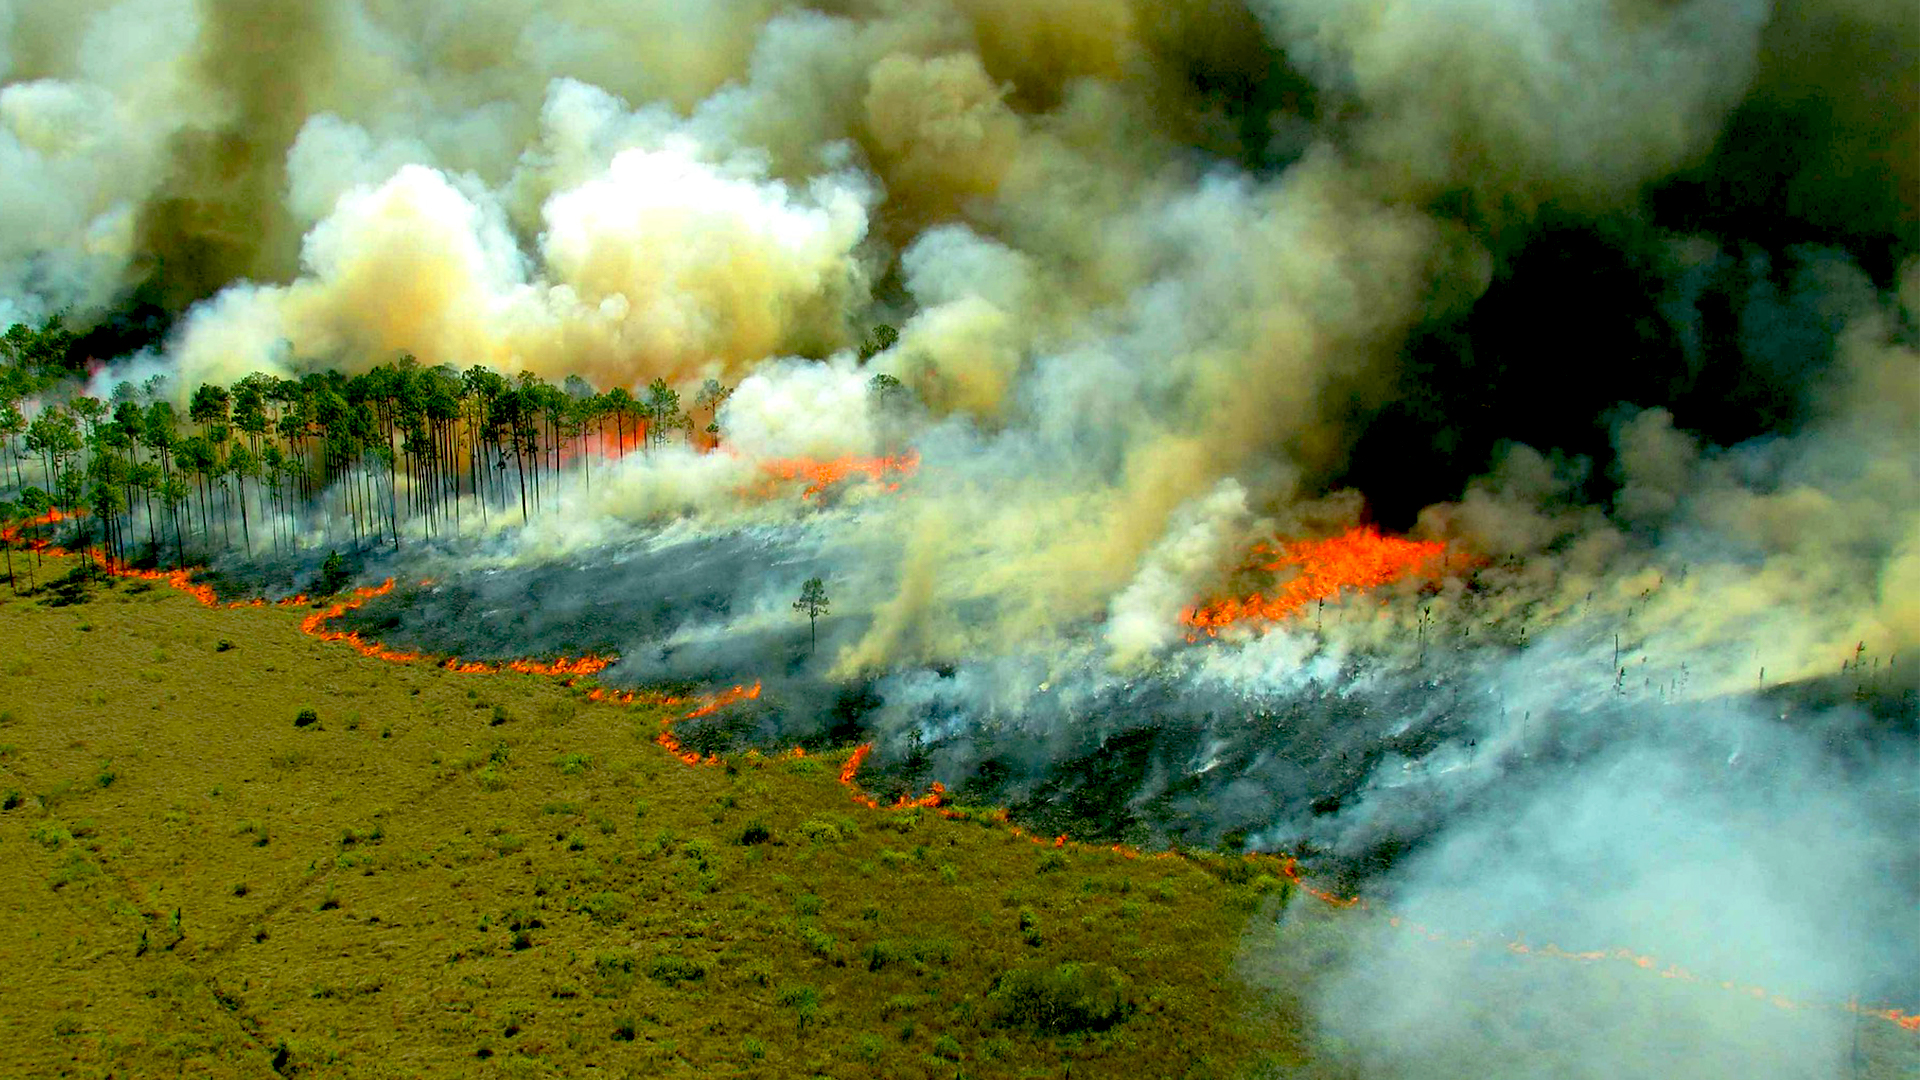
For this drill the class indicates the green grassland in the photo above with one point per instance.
(488, 875)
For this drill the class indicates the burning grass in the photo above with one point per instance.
(405, 885)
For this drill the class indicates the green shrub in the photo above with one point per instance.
(947, 1047)
(818, 942)
(1234, 871)
(820, 832)
(606, 908)
(881, 953)
(614, 968)
(674, 970)
(1062, 999)
(699, 852)
(931, 950)
(755, 832)
(803, 1000)
(805, 766)
(305, 718)
(50, 835)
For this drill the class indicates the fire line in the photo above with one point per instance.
(1359, 559)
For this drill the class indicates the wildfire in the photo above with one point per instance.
(589, 664)
(1359, 559)
(821, 475)
(12, 533)
(709, 705)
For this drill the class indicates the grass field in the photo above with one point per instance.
(487, 875)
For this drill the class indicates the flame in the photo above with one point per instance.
(590, 664)
(11, 533)
(1359, 559)
(821, 475)
(707, 706)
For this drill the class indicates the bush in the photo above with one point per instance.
(333, 575)
(674, 970)
(1234, 871)
(948, 1047)
(805, 766)
(614, 969)
(882, 953)
(755, 832)
(306, 718)
(818, 942)
(1063, 998)
(803, 1000)
(606, 908)
(820, 832)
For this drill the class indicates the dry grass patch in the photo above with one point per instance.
(415, 882)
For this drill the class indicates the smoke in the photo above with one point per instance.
(1617, 299)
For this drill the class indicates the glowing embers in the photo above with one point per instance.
(1359, 559)
(820, 475)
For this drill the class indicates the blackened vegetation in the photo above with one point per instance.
(1354, 769)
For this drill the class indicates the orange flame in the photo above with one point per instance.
(821, 475)
(709, 705)
(1359, 559)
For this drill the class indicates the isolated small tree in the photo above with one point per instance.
(813, 604)
(333, 574)
(889, 398)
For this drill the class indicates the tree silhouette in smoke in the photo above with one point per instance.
(813, 604)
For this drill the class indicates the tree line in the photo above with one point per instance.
(401, 450)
